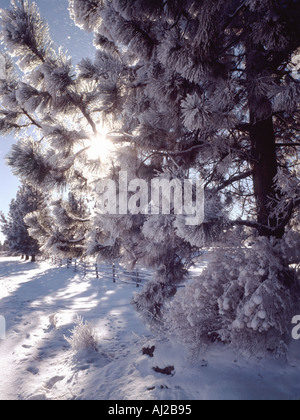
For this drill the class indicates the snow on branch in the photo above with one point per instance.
(234, 179)
(26, 34)
(85, 13)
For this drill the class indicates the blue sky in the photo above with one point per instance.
(78, 44)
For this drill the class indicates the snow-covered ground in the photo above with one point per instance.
(40, 304)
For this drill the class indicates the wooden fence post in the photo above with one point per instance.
(138, 278)
(69, 262)
(84, 268)
(114, 272)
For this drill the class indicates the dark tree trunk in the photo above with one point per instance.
(263, 145)
(264, 171)
(27, 258)
(33, 259)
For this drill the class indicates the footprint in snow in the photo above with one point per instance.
(50, 384)
(26, 346)
(33, 370)
(38, 397)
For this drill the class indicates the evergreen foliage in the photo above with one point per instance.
(60, 227)
(15, 229)
(246, 297)
(185, 89)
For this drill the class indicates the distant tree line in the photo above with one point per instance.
(4, 246)
(14, 228)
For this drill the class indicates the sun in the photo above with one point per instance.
(100, 147)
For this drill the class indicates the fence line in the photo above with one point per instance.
(112, 271)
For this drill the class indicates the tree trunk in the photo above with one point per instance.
(27, 258)
(263, 144)
(33, 259)
(264, 171)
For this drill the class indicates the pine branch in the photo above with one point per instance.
(170, 154)
(77, 101)
(259, 226)
(18, 126)
(88, 118)
(75, 241)
(248, 223)
(31, 119)
(287, 144)
(191, 149)
(233, 15)
(234, 179)
(78, 219)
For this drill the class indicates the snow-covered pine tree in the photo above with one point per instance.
(54, 115)
(60, 227)
(14, 227)
(4, 247)
(246, 297)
